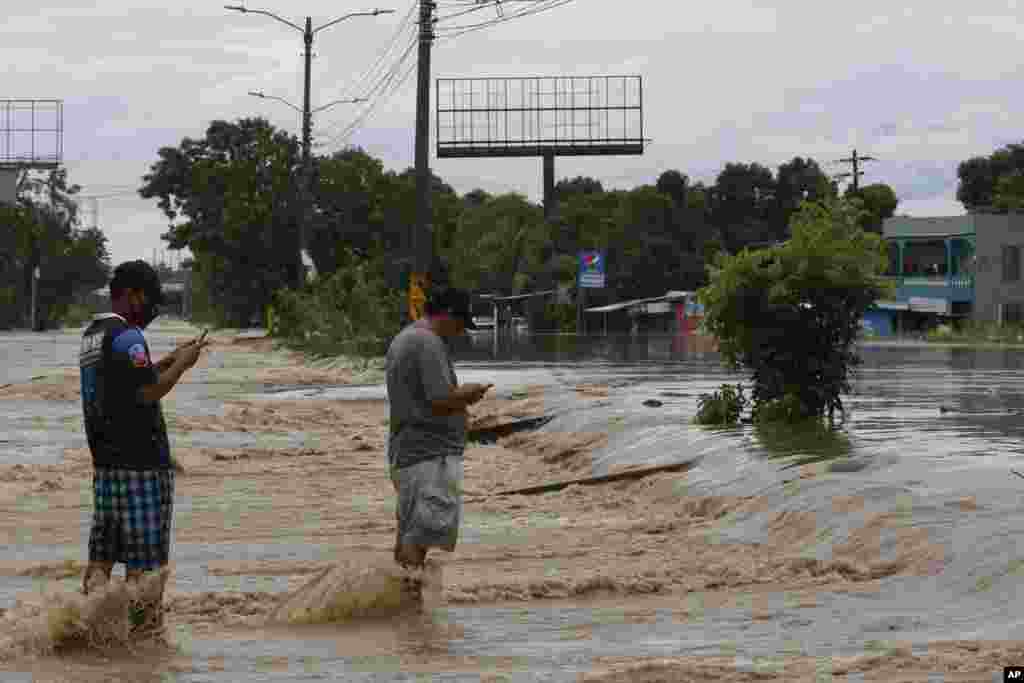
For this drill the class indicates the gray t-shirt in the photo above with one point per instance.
(419, 370)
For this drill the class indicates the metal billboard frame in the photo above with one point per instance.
(532, 116)
(15, 156)
(540, 120)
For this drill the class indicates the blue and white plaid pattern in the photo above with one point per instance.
(132, 517)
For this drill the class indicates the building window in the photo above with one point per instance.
(1011, 263)
(924, 259)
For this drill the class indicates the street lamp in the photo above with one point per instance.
(255, 93)
(307, 35)
(261, 94)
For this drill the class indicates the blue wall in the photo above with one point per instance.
(880, 322)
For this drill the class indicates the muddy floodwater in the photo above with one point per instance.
(890, 549)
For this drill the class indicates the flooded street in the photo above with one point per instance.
(887, 548)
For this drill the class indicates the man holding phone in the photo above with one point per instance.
(428, 428)
(133, 478)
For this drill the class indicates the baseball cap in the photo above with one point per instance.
(454, 302)
(138, 275)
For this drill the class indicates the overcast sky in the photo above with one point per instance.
(731, 80)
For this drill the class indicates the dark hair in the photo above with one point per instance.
(136, 275)
(446, 299)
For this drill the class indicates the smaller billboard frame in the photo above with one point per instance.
(23, 119)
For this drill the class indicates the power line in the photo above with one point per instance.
(378, 94)
(475, 8)
(381, 80)
(488, 4)
(403, 26)
(378, 91)
(456, 31)
(355, 125)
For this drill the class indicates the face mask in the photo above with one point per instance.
(145, 314)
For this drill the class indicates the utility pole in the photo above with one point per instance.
(35, 297)
(855, 160)
(307, 170)
(306, 185)
(422, 240)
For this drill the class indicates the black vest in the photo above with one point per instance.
(122, 432)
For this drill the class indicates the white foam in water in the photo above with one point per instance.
(60, 621)
(347, 591)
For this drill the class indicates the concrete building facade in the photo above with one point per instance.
(952, 268)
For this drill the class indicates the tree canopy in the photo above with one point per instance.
(232, 197)
(42, 229)
(989, 184)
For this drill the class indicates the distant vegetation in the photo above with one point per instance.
(43, 230)
(233, 199)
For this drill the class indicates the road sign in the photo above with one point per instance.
(591, 271)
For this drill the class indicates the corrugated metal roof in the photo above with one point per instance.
(674, 295)
(928, 226)
(515, 297)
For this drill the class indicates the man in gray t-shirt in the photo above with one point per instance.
(428, 427)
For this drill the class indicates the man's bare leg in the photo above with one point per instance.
(412, 557)
(151, 610)
(100, 571)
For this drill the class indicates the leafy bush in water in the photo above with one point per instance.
(978, 332)
(723, 407)
(352, 312)
(788, 408)
(790, 314)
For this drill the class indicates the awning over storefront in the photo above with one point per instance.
(644, 304)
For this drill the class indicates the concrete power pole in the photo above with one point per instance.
(307, 177)
(307, 171)
(422, 241)
(855, 160)
(35, 298)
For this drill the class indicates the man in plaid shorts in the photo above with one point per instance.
(133, 480)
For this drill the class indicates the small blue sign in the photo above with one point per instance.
(591, 269)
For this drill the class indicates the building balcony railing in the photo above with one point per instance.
(961, 281)
(958, 287)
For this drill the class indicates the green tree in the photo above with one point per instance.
(1009, 194)
(497, 243)
(743, 199)
(675, 185)
(979, 177)
(237, 189)
(41, 230)
(644, 251)
(353, 311)
(580, 185)
(798, 180)
(790, 314)
(879, 201)
(350, 191)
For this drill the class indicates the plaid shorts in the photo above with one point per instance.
(131, 520)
